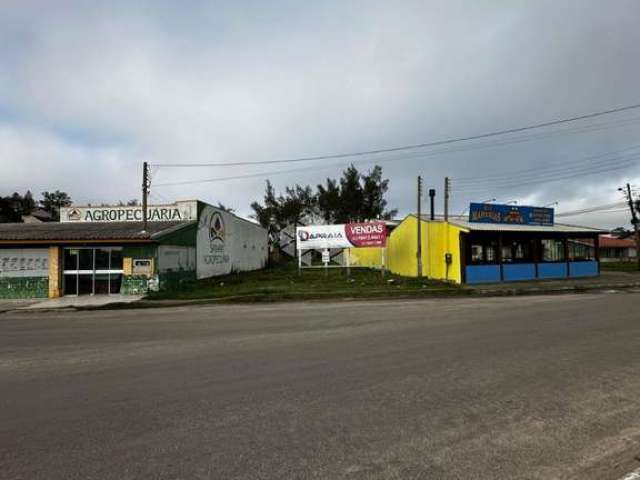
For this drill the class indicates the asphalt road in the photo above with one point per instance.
(498, 388)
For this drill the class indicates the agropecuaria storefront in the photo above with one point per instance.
(104, 250)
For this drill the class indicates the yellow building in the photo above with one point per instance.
(461, 251)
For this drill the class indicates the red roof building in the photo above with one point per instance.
(613, 249)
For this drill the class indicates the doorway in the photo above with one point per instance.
(92, 271)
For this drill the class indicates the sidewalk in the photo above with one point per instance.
(67, 302)
(606, 281)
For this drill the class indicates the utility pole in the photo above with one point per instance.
(447, 186)
(146, 183)
(634, 219)
(419, 247)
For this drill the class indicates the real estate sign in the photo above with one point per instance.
(349, 235)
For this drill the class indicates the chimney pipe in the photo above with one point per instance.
(432, 196)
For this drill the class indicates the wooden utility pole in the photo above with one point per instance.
(634, 220)
(145, 193)
(419, 247)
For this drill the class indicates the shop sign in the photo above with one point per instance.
(350, 235)
(180, 211)
(511, 214)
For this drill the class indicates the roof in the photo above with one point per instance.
(86, 231)
(463, 222)
(608, 241)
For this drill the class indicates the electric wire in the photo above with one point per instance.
(412, 146)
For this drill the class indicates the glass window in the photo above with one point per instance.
(71, 258)
(101, 283)
(116, 259)
(552, 251)
(476, 254)
(115, 281)
(102, 259)
(70, 284)
(86, 259)
(517, 252)
(491, 252)
(581, 250)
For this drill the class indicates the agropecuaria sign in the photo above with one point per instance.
(350, 235)
(179, 211)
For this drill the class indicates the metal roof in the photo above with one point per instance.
(463, 222)
(86, 231)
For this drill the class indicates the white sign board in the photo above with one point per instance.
(179, 211)
(350, 235)
(326, 256)
(24, 262)
(226, 243)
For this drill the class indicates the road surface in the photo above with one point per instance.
(497, 388)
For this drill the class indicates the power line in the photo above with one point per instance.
(412, 146)
(589, 160)
(594, 209)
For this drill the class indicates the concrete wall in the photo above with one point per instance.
(226, 243)
(24, 273)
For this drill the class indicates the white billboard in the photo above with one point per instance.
(179, 211)
(24, 262)
(226, 243)
(350, 235)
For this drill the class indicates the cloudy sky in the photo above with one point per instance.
(89, 90)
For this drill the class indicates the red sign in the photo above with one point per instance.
(369, 234)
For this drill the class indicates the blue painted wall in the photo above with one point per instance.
(519, 271)
(583, 269)
(552, 270)
(483, 273)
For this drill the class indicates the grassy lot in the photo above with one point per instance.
(619, 266)
(284, 283)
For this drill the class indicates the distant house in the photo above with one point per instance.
(613, 249)
(38, 215)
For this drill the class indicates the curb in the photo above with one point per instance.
(262, 299)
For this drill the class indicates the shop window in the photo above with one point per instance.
(517, 252)
(477, 255)
(102, 259)
(581, 250)
(483, 252)
(71, 258)
(86, 259)
(552, 251)
(116, 259)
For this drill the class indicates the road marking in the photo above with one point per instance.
(632, 476)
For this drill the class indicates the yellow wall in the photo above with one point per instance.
(55, 272)
(438, 238)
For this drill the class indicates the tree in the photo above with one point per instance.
(355, 197)
(224, 208)
(358, 197)
(264, 214)
(52, 202)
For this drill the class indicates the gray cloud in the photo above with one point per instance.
(89, 92)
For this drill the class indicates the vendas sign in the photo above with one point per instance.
(350, 235)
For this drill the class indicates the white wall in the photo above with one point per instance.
(24, 262)
(226, 243)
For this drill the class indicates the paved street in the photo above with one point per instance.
(497, 388)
